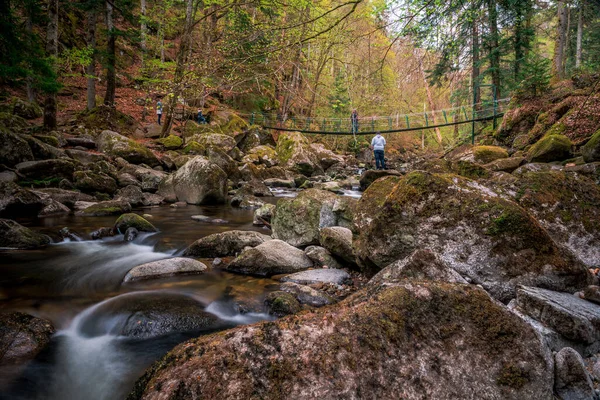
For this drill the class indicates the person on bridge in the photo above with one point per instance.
(354, 121)
(378, 146)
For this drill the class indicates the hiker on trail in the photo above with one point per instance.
(159, 109)
(354, 121)
(378, 146)
(201, 119)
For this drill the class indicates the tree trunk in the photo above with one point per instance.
(111, 78)
(31, 93)
(494, 42)
(90, 70)
(561, 37)
(143, 29)
(438, 134)
(180, 68)
(475, 63)
(579, 35)
(52, 51)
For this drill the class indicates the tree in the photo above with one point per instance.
(558, 67)
(51, 51)
(111, 72)
(91, 67)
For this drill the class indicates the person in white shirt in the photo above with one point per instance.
(378, 146)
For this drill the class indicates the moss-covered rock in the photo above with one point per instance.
(281, 304)
(223, 142)
(200, 182)
(12, 122)
(48, 139)
(550, 148)
(16, 236)
(591, 150)
(112, 207)
(109, 118)
(192, 148)
(224, 244)
(132, 220)
(505, 164)
(488, 239)
(295, 153)
(47, 169)
(14, 149)
(25, 109)
(376, 344)
(92, 182)
(171, 142)
(116, 145)
(265, 155)
(487, 154)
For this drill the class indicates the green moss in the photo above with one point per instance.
(194, 148)
(591, 150)
(131, 220)
(509, 222)
(487, 154)
(470, 170)
(558, 128)
(51, 140)
(43, 183)
(171, 142)
(550, 148)
(285, 148)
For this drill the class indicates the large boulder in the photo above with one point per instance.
(112, 207)
(489, 240)
(22, 337)
(566, 205)
(218, 157)
(149, 179)
(382, 344)
(329, 275)
(326, 157)
(225, 244)
(66, 197)
(265, 155)
(295, 153)
(13, 149)
(25, 109)
(550, 148)
(298, 221)
(207, 140)
(200, 182)
(572, 380)
(16, 236)
(591, 150)
(116, 145)
(46, 170)
(16, 201)
(92, 182)
(132, 220)
(270, 258)
(371, 175)
(165, 268)
(487, 154)
(338, 241)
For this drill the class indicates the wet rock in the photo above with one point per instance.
(246, 201)
(46, 169)
(421, 265)
(91, 182)
(299, 220)
(53, 208)
(333, 187)
(146, 315)
(66, 197)
(270, 258)
(22, 337)
(130, 234)
(329, 275)
(66, 234)
(550, 148)
(263, 214)
(116, 145)
(224, 244)
(281, 304)
(338, 241)
(14, 149)
(371, 175)
(307, 295)
(321, 257)
(485, 238)
(102, 233)
(295, 154)
(572, 381)
(165, 268)
(591, 150)
(397, 331)
(16, 236)
(207, 219)
(103, 208)
(200, 182)
(166, 188)
(254, 188)
(18, 202)
(132, 220)
(275, 182)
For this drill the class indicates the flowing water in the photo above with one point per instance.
(77, 286)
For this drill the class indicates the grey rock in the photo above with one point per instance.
(52, 208)
(91, 182)
(329, 275)
(371, 175)
(46, 169)
(130, 234)
(85, 157)
(125, 179)
(14, 149)
(321, 257)
(270, 258)
(165, 268)
(16, 236)
(307, 295)
(82, 142)
(18, 202)
(66, 197)
(246, 201)
(113, 144)
(592, 293)
(22, 337)
(103, 208)
(281, 304)
(8, 176)
(102, 233)
(572, 381)
(338, 241)
(275, 182)
(263, 214)
(131, 194)
(200, 182)
(224, 244)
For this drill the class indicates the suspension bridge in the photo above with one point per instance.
(370, 125)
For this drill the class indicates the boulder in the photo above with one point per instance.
(263, 214)
(299, 220)
(53, 208)
(272, 257)
(85, 157)
(572, 381)
(130, 234)
(307, 295)
(16, 236)
(505, 164)
(22, 337)
(200, 182)
(295, 154)
(132, 220)
(116, 145)
(66, 197)
(321, 257)
(149, 179)
(81, 141)
(16, 201)
(8, 177)
(125, 179)
(131, 194)
(265, 155)
(253, 137)
(326, 157)
(420, 265)
(281, 304)
(246, 201)
(26, 109)
(223, 142)
(224, 244)
(46, 169)
(487, 239)
(104, 208)
(165, 268)
(371, 175)
(254, 188)
(487, 154)
(377, 345)
(329, 275)
(218, 157)
(171, 142)
(592, 293)
(92, 182)
(591, 150)
(14, 149)
(550, 148)
(42, 150)
(275, 182)
(338, 241)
